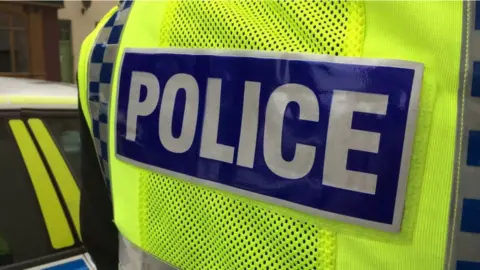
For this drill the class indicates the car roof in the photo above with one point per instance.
(19, 93)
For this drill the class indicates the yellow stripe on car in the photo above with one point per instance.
(36, 102)
(55, 220)
(60, 170)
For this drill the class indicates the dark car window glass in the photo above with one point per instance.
(23, 235)
(5, 252)
(66, 133)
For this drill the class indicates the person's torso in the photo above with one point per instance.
(288, 135)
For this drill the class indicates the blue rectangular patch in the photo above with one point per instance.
(464, 265)
(477, 15)
(329, 136)
(473, 148)
(476, 80)
(470, 216)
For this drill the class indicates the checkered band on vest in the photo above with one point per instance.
(100, 73)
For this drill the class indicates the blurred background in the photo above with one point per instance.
(40, 132)
(42, 39)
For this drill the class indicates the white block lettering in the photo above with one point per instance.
(210, 148)
(190, 115)
(341, 137)
(302, 162)
(144, 108)
(249, 129)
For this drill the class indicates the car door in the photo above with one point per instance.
(39, 194)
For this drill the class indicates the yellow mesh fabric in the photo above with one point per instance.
(430, 33)
(195, 227)
(323, 27)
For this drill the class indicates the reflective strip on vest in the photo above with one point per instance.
(133, 258)
(464, 242)
(100, 72)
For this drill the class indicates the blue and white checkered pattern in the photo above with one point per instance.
(466, 240)
(100, 73)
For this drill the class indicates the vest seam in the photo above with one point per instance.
(458, 160)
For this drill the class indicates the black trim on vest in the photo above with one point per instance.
(99, 233)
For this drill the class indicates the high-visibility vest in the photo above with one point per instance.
(289, 134)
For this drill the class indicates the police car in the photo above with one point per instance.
(39, 164)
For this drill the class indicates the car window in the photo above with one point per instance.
(5, 253)
(66, 133)
(23, 233)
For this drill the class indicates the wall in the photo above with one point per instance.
(36, 14)
(51, 35)
(83, 24)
